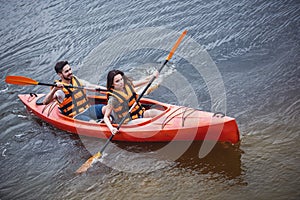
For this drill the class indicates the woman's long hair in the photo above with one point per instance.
(110, 79)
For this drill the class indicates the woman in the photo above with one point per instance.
(122, 96)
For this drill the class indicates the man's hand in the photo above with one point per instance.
(58, 86)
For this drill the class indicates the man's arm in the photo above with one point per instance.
(51, 95)
(92, 86)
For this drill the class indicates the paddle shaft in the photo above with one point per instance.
(89, 162)
(141, 95)
(146, 88)
(77, 87)
(137, 101)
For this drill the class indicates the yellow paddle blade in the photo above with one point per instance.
(88, 163)
(20, 80)
(176, 45)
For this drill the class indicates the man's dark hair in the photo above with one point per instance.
(60, 65)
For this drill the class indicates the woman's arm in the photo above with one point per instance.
(146, 80)
(107, 121)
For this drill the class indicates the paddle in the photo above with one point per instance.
(90, 161)
(22, 80)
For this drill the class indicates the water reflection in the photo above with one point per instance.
(224, 161)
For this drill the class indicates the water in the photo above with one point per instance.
(255, 45)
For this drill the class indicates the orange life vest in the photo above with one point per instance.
(75, 100)
(126, 100)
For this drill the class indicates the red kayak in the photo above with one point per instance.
(176, 123)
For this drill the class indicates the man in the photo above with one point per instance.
(73, 102)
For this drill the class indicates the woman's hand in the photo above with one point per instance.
(114, 131)
(155, 73)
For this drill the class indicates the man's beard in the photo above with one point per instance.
(68, 79)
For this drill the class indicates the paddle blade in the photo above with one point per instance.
(20, 80)
(88, 163)
(176, 45)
